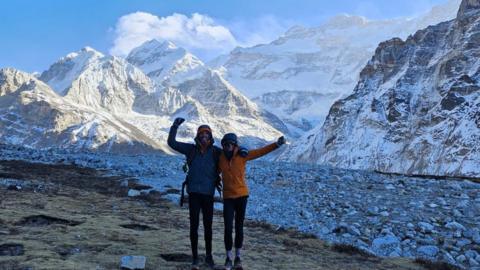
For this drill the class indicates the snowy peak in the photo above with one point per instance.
(343, 21)
(91, 79)
(218, 95)
(84, 53)
(33, 115)
(12, 80)
(111, 84)
(468, 6)
(161, 61)
(61, 74)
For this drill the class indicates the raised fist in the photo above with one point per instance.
(178, 121)
(281, 141)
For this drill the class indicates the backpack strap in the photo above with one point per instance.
(190, 157)
(216, 155)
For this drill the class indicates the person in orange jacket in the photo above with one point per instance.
(235, 191)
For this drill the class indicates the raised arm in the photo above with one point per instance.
(183, 148)
(260, 152)
(256, 153)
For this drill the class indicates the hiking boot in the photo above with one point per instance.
(209, 261)
(195, 265)
(228, 264)
(237, 264)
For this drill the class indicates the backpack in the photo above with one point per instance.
(188, 162)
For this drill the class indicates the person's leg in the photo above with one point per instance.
(194, 213)
(228, 214)
(207, 213)
(240, 209)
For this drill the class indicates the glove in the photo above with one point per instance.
(243, 152)
(178, 121)
(281, 141)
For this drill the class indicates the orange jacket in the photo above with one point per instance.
(233, 171)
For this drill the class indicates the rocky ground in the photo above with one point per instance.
(387, 215)
(68, 217)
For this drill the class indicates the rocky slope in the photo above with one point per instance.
(32, 114)
(415, 108)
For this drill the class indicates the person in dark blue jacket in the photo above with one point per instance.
(201, 180)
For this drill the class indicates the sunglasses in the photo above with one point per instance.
(229, 143)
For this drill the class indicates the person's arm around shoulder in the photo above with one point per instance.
(183, 148)
(257, 153)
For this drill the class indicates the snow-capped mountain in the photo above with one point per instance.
(34, 115)
(294, 107)
(62, 73)
(162, 61)
(325, 60)
(185, 86)
(415, 108)
(96, 81)
(106, 103)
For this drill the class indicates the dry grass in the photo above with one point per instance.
(435, 265)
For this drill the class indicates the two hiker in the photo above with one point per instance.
(206, 162)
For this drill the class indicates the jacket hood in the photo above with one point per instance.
(203, 128)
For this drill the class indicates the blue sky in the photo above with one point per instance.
(35, 33)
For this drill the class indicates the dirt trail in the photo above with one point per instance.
(66, 217)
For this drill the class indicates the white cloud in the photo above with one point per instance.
(198, 33)
(261, 30)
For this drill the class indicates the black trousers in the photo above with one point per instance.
(196, 203)
(234, 209)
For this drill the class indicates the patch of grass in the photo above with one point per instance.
(431, 265)
(351, 250)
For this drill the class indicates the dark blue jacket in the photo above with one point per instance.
(202, 172)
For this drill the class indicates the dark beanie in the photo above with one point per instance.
(230, 137)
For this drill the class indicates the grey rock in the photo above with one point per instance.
(461, 259)
(449, 258)
(133, 262)
(463, 242)
(471, 254)
(471, 233)
(428, 251)
(384, 214)
(354, 231)
(390, 187)
(455, 226)
(425, 227)
(476, 239)
(133, 193)
(457, 213)
(373, 210)
(432, 205)
(386, 245)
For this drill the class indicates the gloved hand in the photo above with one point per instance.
(281, 141)
(243, 151)
(178, 121)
